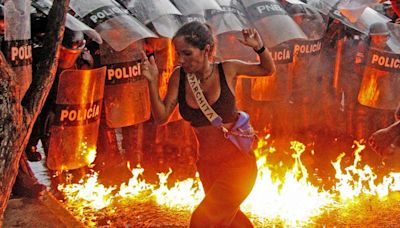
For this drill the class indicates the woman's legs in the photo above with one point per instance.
(241, 221)
(226, 187)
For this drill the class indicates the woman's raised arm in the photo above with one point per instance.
(161, 109)
(265, 67)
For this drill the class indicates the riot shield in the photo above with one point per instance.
(307, 60)
(309, 20)
(306, 52)
(279, 85)
(394, 40)
(231, 18)
(114, 23)
(323, 6)
(330, 7)
(380, 85)
(126, 94)
(17, 44)
(71, 22)
(167, 25)
(353, 10)
(307, 81)
(193, 10)
(228, 47)
(358, 18)
(199, 16)
(368, 17)
(227, 25)
(73, 135)
(161, 13)
(269, 17)
(149, 10)
(188, 7)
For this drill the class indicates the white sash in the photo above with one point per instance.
(202, 102)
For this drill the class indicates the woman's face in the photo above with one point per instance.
(191, 58)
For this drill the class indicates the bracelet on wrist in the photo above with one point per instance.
(261, 50)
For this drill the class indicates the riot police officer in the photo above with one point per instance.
(26, 183)
(389, 11)
(72, 46)
(371, 116)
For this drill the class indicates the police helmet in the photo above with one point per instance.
(71, 48)
(73, 39)
(387, 5)
(295, 10)
(378, 29)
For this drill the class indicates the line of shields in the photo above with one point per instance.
(305, 91)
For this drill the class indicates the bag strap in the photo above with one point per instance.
(203, 104)
(212, 116)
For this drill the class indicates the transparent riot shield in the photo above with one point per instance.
(394, 40)
(71, 22)
(167, 25)
(269, 17)
(380, 85)
(114, 23)
(162, 14)
(199, 16)
(323, 6)
(307, 60)
(309, 19)
(306, 52)
(228, 47)
(187, 7)
(126, 94)
(358, 17)
(279, 85)
(17, 44)
(73, 134)
(227, 25)
(368, 17)
(232, 17)
(353, 10)
(149, 10)
(193, 10)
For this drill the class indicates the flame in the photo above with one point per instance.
(356, 181)
(166, 74)
(168, 68)
(290, 199)
(369, 90)
(184, 195)
(89, 153)
(88, 194)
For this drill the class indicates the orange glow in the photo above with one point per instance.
(166, 74)
(338, 60)
(88, 154)
(291, 199)
(369, 91)
(355, 181)
(168, 68)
